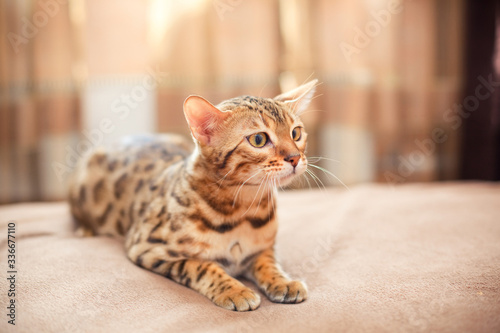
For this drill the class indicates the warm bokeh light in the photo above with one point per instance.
(390, 73)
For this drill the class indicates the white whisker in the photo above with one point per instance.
(307, 180)
(262, 194)
(331, 174)
(272, 193)
(319, 158)
(222, 180)
(316, 179)
(279, 184)
(241, 186)
(255, 197)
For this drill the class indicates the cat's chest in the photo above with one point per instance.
(235, 249)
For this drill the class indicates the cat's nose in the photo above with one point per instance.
(293, 159)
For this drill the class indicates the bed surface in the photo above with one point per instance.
(410, 258)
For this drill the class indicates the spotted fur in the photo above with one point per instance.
(202, 214)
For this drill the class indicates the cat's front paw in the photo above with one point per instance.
(243, 299)
(287, 292)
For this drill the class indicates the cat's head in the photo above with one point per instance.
(252, 139)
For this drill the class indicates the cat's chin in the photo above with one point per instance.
(288, 179)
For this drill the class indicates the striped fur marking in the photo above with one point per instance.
(201, 216)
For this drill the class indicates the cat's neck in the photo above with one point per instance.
(248, 194)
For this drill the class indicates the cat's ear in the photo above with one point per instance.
(203, 118)
(300, 97)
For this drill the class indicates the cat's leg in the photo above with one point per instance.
(275, 283)
(207, 278)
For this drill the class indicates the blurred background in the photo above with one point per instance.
(408, 89)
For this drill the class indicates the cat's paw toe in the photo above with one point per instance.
(287, 292)
(238, 300)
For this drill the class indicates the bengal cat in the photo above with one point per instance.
(203, 216)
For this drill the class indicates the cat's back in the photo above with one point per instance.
(144, 148)
(109, 180)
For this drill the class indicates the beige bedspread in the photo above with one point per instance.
(412, 258)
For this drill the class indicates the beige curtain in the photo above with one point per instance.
(389, 72)
(39, 105)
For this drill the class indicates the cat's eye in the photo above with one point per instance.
(258, 140)
(296, 133)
